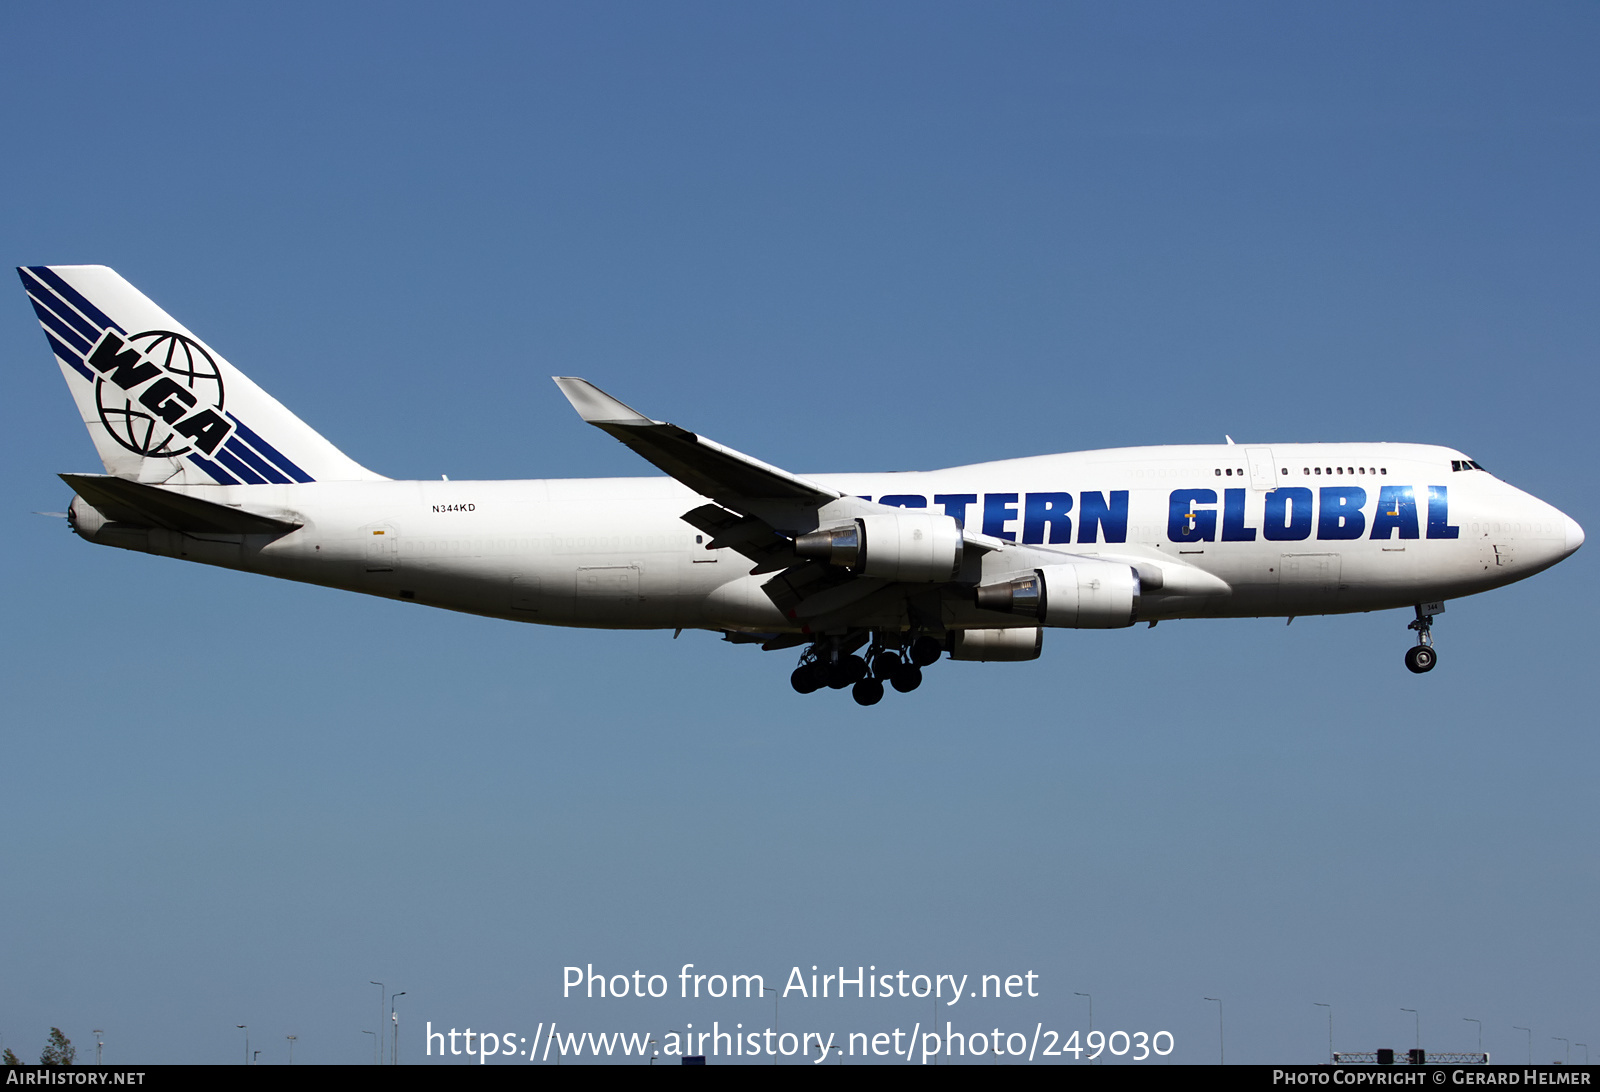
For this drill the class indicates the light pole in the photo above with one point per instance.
(1585, 1047)
(1471, 1020)
(97, 1044)
(380, 1018)
(1090, 996)
(1222, 1043)
(291, 1039)
(1559, 1039)
(1514, 1027)
(394, 1030)
(1413, 1012)
(374, 1035)
(652, 1045)
(246, 1029)
(1325, 1005)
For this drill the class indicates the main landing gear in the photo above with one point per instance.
(832, 663)
(1421, 657)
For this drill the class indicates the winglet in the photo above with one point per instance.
(596, 406)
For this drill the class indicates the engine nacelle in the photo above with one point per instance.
(916, 547)
(1080, 595)
(1020, 643)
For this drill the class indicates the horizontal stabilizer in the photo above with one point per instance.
(134, 502)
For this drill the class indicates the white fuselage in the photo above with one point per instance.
(1289, 528)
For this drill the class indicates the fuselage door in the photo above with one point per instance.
(1263, 470)
(609, 591)
(382, 548)
(1308, 583)
(525, 589)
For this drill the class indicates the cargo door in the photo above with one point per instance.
(1308, 583)
(608, 594)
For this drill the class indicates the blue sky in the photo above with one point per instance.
(839, 237)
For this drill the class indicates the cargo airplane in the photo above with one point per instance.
(873, 577)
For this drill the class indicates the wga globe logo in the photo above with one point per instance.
(159, 393)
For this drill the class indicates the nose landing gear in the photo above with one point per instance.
(1421, 657)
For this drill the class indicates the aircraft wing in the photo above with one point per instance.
(754, 498)
(759, 510)
(728, 477)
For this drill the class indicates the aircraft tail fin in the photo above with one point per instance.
(161, 405)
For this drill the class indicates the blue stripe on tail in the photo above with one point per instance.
(69, 356)
(267, 450)
(241, 451)
(74, 297)
(221, 476)
(42, 296)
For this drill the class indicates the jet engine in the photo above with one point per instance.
(916, 547)
(992, 645)
(1080, 595)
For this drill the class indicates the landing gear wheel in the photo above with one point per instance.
(906, 678)
(805, 679)
(868, 692)
(926, 651)
(884, 663)
(1421, 658)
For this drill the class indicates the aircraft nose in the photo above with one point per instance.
(1574, 535)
